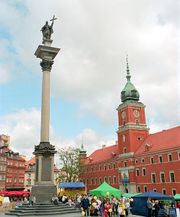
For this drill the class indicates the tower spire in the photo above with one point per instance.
(128, 76)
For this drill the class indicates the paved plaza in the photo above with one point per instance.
(65, 215)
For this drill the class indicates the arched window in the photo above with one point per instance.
(125, 150)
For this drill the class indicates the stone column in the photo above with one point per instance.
(44, 187)
(45, 109)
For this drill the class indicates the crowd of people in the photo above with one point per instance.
(114, 207)
(103, 206)
(106, 206)
(158, 208)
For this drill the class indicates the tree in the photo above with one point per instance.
(71, 165)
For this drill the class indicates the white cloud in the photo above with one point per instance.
(23, 127)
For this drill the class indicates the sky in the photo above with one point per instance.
(89, 72)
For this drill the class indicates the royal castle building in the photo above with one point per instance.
(139, 161)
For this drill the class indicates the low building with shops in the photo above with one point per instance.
(12, 167)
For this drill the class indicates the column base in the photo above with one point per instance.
(43, 193)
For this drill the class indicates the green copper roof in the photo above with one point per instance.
(129, 92)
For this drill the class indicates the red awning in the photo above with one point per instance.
(15, 193)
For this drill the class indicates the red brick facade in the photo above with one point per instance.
(139, 161)
(12, 167)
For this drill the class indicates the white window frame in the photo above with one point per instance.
(152, 160)
(124, 138)
(138, 189)
(142, 160)
(124, 150)
(161, 178)
(152, 177)
(143, 172)
(159, 158)
(173, 189)
(164, 189)
(170, 154)
(145, 186)
(137, 172)
(170, 176)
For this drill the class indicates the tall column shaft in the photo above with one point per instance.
(45, 107)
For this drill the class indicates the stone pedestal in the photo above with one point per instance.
(44, 187)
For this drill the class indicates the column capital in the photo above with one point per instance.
(46, 65)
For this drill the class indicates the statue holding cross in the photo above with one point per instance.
(47, 29)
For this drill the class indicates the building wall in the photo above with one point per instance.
(156, 167)
(15, 173)
(2, 171)
(12, 167)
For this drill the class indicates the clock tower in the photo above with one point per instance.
(132, 128)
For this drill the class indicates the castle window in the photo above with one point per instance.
(136, 161)
(109, 166)
(104, 167)
(172, 177)
(154, 189)
(173, 191)
(139, 138)
(105, 178)
(124, 150)
(152, 160)
(162, 177)
(114, 179)
(137, 172)
(125, 164)
(142, 160)
(160, 159)
(153, 177)
(138, 189)
(179, 155)
(109, 179)
(145, 188)
(96, 180)
(92, 181)
(100, 168)
(164, 191)
(100, 180)
(169, 157)
(114, 166)
(123, 138)
(144, 171)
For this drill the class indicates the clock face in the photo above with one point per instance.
(123, 114)
(136, 113)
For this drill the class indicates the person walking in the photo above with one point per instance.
(163, 211)
(149, 206)
(85, 205)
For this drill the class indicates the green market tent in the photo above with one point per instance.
(104, 188)
(129, 195)
(177, 196)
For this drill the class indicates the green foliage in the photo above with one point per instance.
(71, 165)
